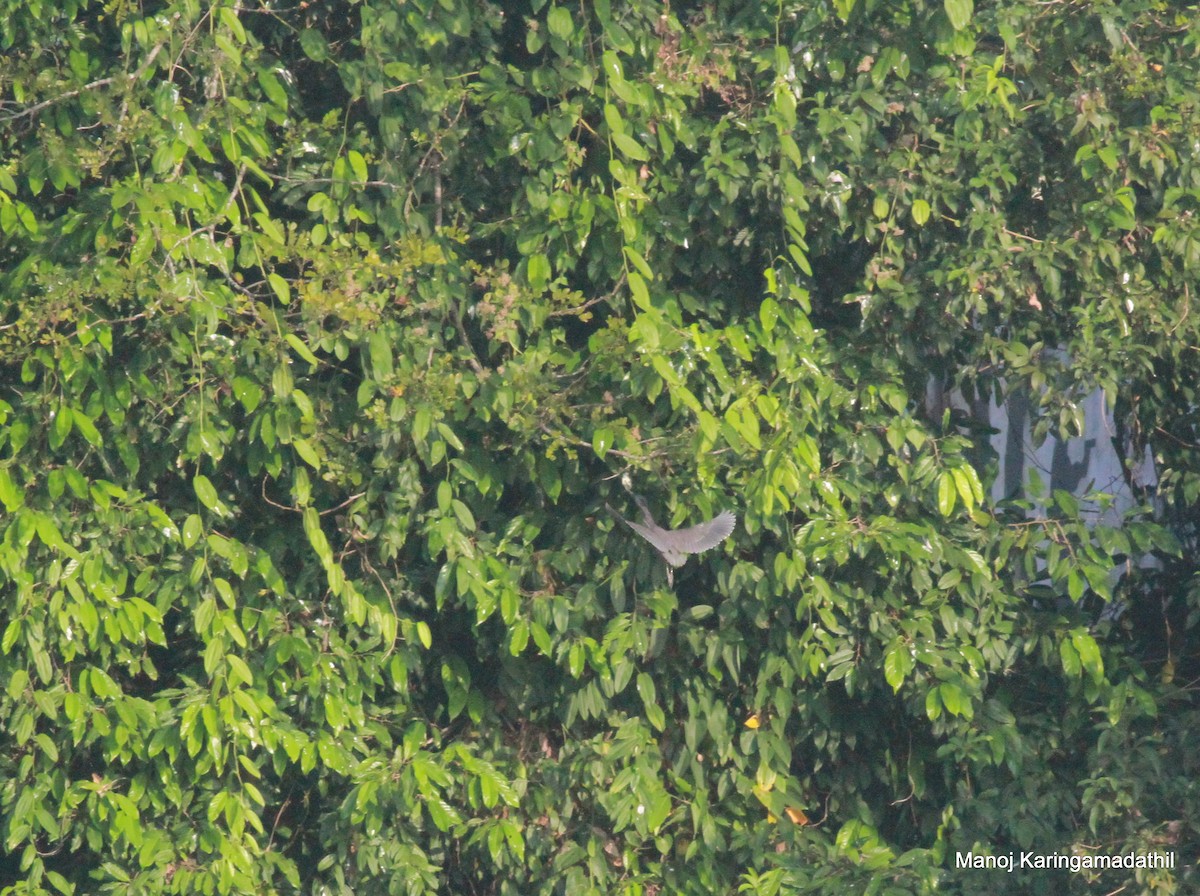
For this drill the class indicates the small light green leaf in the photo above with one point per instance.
(959, 12)
(247, 392)
(239, 671)
(283, 292)
(637, 289)
(301, 349)
(465, 518)
(61, 427)
(381, 355)
(84, 424)
(1075, 585)
(205, 491)
(307, 453)
(538, 271)
(920, 212)
(897, 664)
(630, 147)
(1070, 658)
(271, 88)
(1089, 653)
(11, 496)
(894, 397)
(422, 421)
(933, 704)
(636, 259)
(645, 688)
(602, 440)
(946, 494)
(450, 436)
(962, 485)
(193, 528)
(312, 42)
(953, 698)
(768, 314)
(559, 21)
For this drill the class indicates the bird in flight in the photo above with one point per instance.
(676, 544)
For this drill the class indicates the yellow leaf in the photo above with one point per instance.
(797, 816)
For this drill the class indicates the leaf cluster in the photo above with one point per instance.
(328, 329)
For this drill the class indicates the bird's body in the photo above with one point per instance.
(676, 544)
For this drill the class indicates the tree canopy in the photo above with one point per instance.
(328, 329)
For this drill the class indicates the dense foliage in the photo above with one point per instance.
(328, 329)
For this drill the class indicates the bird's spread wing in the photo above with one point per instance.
(707, 535)
(678, 543)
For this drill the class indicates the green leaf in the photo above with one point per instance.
(281, 288)
(312, 42)
(11, 496)
(602, 440)
(205, 491)
(193, 528)
(963, 486)
(639, 263)
(61, 426)
(247, 392)
(301, 349)
(381, 356)
(272, 88)
(559, 21)
(1070, 658)
(897, 663)
(946, 494)
(87, 429)
(538, 272)
(307, 453)
(933, 703)
(959, 12)
(953, 699)
(422, 421)
(465, 518)
(1088, 652)
(450, 436)
(630, 147)
(637, 289)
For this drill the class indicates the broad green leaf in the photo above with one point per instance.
(959, 12)
(193, 528)
(637, 289)
(947, 494)
(630, 147)
(602, 440)
(1088, 652)
(558, 20)
(897, 664)
(1070, 658)
(301, 349)
(205, 491)
(11, 496)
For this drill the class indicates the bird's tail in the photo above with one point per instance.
(645, 509)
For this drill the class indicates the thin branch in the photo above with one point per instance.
(293, 509)
(33, 110)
